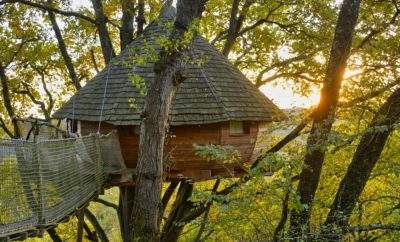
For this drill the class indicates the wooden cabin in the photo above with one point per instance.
(216, 104)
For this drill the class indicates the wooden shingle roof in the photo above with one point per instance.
(214, 91)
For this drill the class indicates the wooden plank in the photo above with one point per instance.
(179, 147)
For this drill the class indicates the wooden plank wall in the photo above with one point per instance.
(181, 159)
(245, 143)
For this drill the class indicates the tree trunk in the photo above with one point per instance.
(235, 24)
(100, 233)
(79, 229)
(174, 225)
(126, 197)
(325, 114)
(126, 31)
(90, 235)
(147, 200)
(364, 160)
(63, 49)
(284, 216)
(53, 235)
(5, 91)
(104, 36)
(140, 19)
(167, 197)
(232, 30)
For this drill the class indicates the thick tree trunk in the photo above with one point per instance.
(104, 36)
(63, 49)
(140, 19)
(325, 114)
(5, 91)
(126, 31)
(364, 160)
(149, 180)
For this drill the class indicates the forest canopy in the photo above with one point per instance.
(333, 168)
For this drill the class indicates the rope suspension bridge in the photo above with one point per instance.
(42, 183)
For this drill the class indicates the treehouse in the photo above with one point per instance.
(216, 104)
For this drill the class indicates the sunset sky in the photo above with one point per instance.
(284, 97)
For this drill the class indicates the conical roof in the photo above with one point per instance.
(214, 91)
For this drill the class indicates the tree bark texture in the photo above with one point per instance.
(149, 179)
(325, 113)
(104, 36)
(140, 19)
(364, 160)
(126, 31)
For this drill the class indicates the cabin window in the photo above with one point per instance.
(237, 128)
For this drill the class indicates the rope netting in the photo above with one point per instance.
(43, 182)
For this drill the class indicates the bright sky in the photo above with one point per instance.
(284, 97)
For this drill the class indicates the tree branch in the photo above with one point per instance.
(106, 203)
(28, 93)
(52, 9)
(7, 102)
(283, 63)
(368, 96)
(235, 24)
(377, 31)
(53, 235)
(372, 227)
(300, 75)
(96, 225)
(126, 30)
(206, 212)
(104, 36)
(4, 127)
(90, 235)
(284, 217)
(167, 196)
(140, 19)
(93, 57)
(63, 49)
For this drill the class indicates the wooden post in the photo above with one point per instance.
(79, 231)
(126, 197)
